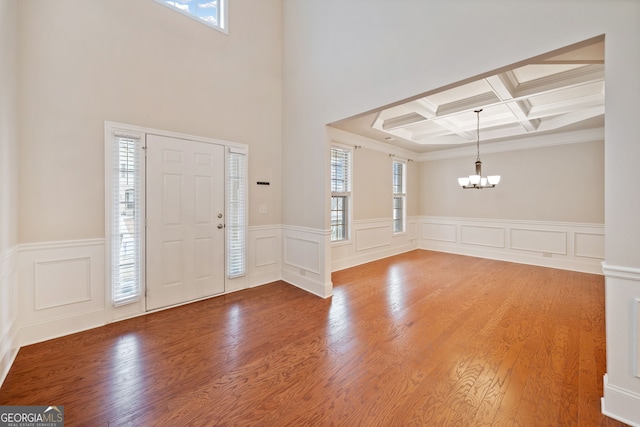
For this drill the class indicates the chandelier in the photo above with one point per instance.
(477, 181)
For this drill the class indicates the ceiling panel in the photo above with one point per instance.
(560, 91)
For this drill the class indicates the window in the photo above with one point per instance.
(399, 195)
(212, 13)
(340, 193)
(236, 211)
(126, 219)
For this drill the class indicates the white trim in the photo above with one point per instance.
(304, 255)
(446, 235)
(9, 327)
(45, 246)
(536, 141)
(160, 132)
(620, 404)
(627, 273)
(374, 239)
(136, 305)
(339, 136)
(526, 143)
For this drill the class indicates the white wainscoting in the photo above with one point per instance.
(371, 240)
(621, 398)
(9, 342)
(305, 257)
(264, 255)
(61, 288)
(568, 246)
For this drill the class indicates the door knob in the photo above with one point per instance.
(220, 225)
(219, 215)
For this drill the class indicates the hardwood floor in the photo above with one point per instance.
(422, 338)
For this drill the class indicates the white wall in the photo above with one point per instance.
(138, 62)
(82, 63)
(371, 235)
(8, 185)
(345, 58)
(562, 183)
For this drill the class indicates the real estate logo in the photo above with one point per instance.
(31, 416)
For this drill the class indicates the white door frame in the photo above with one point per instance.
(138, 307)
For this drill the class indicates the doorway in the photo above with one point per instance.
(185, 209)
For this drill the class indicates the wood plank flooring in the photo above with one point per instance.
(423, 338)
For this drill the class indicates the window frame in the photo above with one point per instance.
(402, 196)
(236, 212)
(114, 172)
(222, 26)
(346, 195)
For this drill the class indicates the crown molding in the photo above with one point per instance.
(348, 138)
(539, 141)
(564, 138)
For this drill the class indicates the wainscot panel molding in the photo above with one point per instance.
(622, 299)
(620, 404)
(61, 288)
(304, 257)
(9, 331)
(264, 258)
(567, 246)
(371, 240)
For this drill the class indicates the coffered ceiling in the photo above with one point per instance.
(556, 93)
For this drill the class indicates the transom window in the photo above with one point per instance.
(340, 193)
(210, 12)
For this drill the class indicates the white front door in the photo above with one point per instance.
(185, 208)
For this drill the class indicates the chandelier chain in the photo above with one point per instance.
(478, 132)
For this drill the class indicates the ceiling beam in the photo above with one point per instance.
(503, 88)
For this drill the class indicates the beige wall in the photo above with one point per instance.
(8, 133)
(138, 62)
(562, 183)
(372, 185)
(345, 58)
(8, 185)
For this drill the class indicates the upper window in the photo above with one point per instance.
(399, 195)
(212, 12)
(340, 193)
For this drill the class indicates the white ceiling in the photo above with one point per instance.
(559, 92)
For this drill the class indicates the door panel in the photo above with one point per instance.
(185, 195)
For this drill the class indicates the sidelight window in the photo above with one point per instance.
(340, 193)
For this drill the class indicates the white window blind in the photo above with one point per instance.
(399, 196)
(236, 212)
(340, 193)
(126, 219)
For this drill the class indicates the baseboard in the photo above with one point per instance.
(566, 246)
(52, 329)
(594, 267)
(264, 278)
(8, 352)
(372, 256)
(308, 284)
(620, 404)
